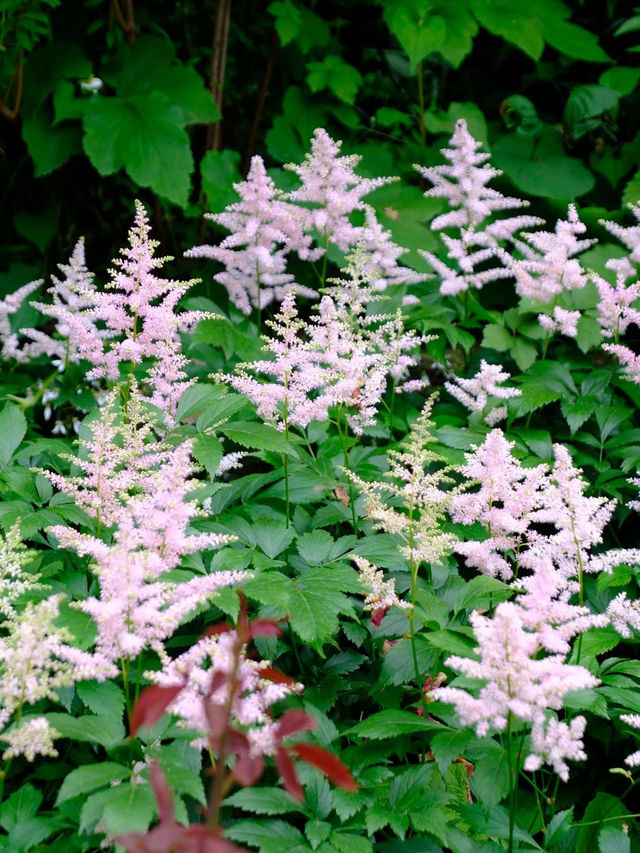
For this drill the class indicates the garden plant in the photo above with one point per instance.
(320, 427)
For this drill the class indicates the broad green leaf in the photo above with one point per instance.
(207, 450)
(260, 436)
(573, 40)
(196, 398)
(270, 588)
(319, 547)
(21, 805)
(601, 812)
(316, 601)
(13, 426)
(609, 418)
(513, 22)
(124, 808)
(104, 697)
(390, 724)
(497, 337)
(145, 135)
(482, 591)
(272, 536)
(524, 353)
(621, 79)
(335, 74)
(269, 836)
(268, 801)
(30, 832)
(546, 171)
(219, 171)
(577, 411)
(448, 745)
(589, 333)
(613, 840)
(83, 780)
(419, 31)
(459, 641)
(107, 731)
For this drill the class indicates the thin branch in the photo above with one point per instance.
(262, 98)
(218, 66)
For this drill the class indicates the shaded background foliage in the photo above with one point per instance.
(550, 87)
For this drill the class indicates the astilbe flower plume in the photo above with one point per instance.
(264, 230)
(15, 579)
(330, 184)
(9, 305)
(150, 513)
(463, 182)
(116, 460)
(518, 682)
(549, 269)
(615, 308)
(477, 394)
(36, 659)
(341, 357)
(72, 295)
(134, 320)
(413, 498)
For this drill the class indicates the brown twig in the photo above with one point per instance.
(218, 66)
(18, 76)
(127, 22)
(262, 99)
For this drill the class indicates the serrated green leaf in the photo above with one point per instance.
(84, 780)
(103, 697)
(269, 836)
(258, 436)
(272, 536)
(481, 590)
(577, 411)
(13, 426)
(390, 724)
(497, 337)
(107, 731)
(270, 801)
(315, 602)
(207, 451)
(219, 171)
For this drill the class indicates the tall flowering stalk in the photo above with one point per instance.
(463, 182)
(330, 191)
(36, 656)
(133, 320)
(264, 230)
(549, 269)
(411, 502)
(74, 294)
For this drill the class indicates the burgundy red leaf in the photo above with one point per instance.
(151, 705)
(334, 769)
